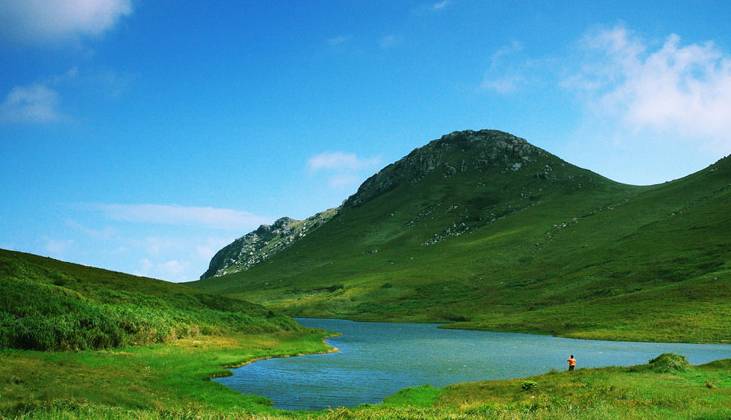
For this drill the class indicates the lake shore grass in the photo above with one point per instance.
(171, 381)
(143, 381)
(653, 391)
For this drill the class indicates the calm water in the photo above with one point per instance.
(377, 359)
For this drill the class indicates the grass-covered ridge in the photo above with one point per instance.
(484, 230)
(47, 304)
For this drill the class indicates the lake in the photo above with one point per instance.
(377, 359)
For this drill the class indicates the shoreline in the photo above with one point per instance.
(467, 383)
(228, 372)
(447, 325)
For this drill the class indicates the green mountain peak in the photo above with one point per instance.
(483, 228)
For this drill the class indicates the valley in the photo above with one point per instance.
(477, 230)
(482, 230)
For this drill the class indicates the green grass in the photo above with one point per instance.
(561, 251)
(639, 392)
(166, 380)
(169, 378)
(47, 304)
(151, 380)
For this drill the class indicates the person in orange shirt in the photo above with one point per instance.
(572, 363)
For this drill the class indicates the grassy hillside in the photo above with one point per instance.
(47, 304)
(485, 230)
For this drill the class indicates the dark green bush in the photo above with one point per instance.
(528, 385)
(669, 362)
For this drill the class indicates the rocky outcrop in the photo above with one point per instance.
(488, 149)
(263, 243)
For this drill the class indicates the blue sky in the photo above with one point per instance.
(142, 136)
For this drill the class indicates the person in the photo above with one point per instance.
(572, 363)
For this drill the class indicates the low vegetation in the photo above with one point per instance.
(149, 381)
(163, 381)
(47, 304)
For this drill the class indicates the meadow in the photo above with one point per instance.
(161, 374)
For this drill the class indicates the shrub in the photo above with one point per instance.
(529, 385)
(669, 362)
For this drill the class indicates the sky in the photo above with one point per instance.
(142, 136)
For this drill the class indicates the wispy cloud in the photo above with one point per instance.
(440, 4)
(505, 75)
(503, 85)
(40, 21)
(172, 269)
(35, 103)
(342, 169)
(175, 258)
(505, 51)
(340, 161)
(40, 102)
(218, 218)
(670, 89)
(338, 40)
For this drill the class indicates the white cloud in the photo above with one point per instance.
(211, 217)
(671, 89)
(36, 103)
(440, 4)
(505, 51)
(504, 74)
(338, 40)
(173, 256)
(343, 169)
(171, 270)
(503, 85)
(389, 41)
(39, 21)
(339, 161)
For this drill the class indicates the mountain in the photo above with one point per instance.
(485, 230)
(46, 304)
(265, 242)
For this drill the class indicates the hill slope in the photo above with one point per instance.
(263, 243)
(486, 230)
(46, 304)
